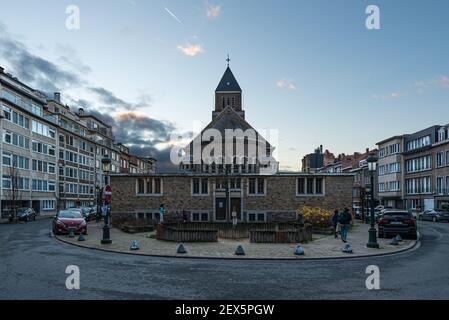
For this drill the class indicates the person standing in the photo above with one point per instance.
(335, 223)
(345, 222)
(234, 217)
(161, 213)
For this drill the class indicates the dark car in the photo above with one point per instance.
(395, 222)
(435, 215)
(67, 220)
(26, 214)
(87, 213)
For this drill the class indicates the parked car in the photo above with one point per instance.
(358, 213)
(86, 212)
(26, 214)
(435, 215)
(395, 222)
(67, 220)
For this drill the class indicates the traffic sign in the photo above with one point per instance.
(107, 193)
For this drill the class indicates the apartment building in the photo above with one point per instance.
(51, 155)
(390, 172)
(419, 168)
(28, 147)
(76, 157)
(441, 152)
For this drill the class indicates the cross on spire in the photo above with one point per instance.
(228, 60)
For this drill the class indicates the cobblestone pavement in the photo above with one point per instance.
(320, 247)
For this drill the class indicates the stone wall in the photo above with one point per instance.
(279, 203)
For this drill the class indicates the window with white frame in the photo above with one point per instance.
(43, 129)
(440, 185)
(257, 216)
(442, 134)
(48, 205)
(382, 187)
(394, 186)
(150, 186)
(394, 167)
(200, 186)
(440, 159)
(16, 118)
(16, 139)
(256, 186)
(199, 216)
(310, 186)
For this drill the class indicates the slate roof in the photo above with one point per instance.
(228, 82)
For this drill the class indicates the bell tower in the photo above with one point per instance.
(228, 94)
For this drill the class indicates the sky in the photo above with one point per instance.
(309, 69)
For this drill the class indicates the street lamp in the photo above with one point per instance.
(372, 168)
(106, 166)
(98, 203)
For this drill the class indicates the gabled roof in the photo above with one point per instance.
(228, 82)
(229, 119)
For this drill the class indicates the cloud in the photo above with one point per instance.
(213, 11)
(286, 84)
(172, 15)
(191, 50)
(393, 95)
(145, 136)
(44, 74)
(440, 81)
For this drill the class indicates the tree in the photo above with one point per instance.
(13, 192)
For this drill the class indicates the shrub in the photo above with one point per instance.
(316, 216)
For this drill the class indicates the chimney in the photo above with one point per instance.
(367, 150)
(81, 111)
(57, 97)
(321, 148)
(2, 70)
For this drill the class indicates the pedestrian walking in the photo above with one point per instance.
(335, 222)
(161, 213)
(345, 221)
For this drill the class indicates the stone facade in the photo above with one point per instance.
(279, 200)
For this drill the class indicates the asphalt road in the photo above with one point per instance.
(32, 266)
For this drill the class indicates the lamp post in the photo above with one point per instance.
(98, 203)
(372, 167)
(106, 166)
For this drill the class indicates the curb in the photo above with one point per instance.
(414, 246)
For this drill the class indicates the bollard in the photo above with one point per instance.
(347, 249)
(394, 242)
(134, 246)
(239, 251)
(398, 238)
(81, 237)
(299, 251)
(181, 249)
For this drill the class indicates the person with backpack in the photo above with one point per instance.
(335, 223)
(345, 222)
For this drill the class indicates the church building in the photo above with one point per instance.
(228, 168)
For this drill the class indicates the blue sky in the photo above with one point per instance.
(307, 68)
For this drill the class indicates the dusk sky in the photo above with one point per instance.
(310, 69)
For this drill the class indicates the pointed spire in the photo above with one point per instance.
(228, 82)
(228, 60)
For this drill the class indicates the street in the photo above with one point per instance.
(33, 267)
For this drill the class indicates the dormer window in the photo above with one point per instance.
(442, 134)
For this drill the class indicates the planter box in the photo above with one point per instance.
(137, 229)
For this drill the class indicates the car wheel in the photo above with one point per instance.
(434, 219)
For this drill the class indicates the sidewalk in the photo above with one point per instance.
(322, 247)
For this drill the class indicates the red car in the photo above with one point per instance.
(67, 220)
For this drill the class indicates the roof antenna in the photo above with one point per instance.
(228, 60)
